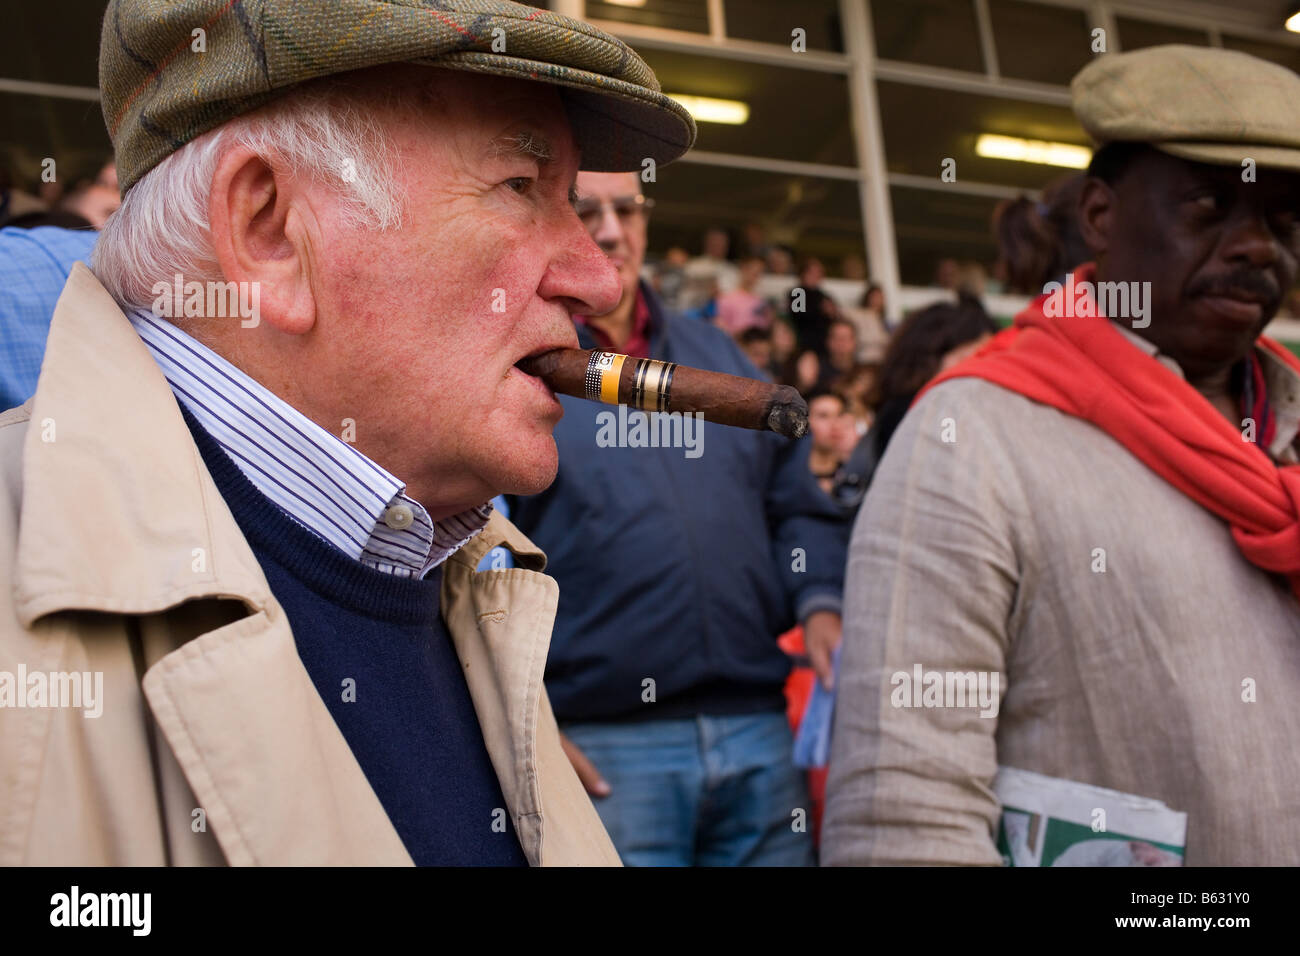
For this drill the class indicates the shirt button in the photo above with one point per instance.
(399, 517)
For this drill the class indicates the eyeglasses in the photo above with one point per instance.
(627, 208)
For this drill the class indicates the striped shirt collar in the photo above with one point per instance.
(321, 481)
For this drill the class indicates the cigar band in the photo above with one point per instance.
(652, 384)
(603, 370)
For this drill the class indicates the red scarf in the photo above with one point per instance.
(1085, 368)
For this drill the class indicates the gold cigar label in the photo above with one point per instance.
(658, 386)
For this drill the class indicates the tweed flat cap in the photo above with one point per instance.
(159, 90)
(1200, 103)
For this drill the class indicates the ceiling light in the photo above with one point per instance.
(1032, 151)
(706, 109)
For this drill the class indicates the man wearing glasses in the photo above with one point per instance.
(678, 567)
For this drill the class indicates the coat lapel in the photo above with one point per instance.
(268, 765)
(500, 622)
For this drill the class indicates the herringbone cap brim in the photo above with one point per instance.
(1199, 103)
(159, 92)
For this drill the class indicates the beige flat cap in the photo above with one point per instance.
(1199, 103)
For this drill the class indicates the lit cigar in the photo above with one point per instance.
(668, 387)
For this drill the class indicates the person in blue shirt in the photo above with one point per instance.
(34, 265)
(678, 568)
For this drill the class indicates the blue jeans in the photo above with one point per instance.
(706, 791)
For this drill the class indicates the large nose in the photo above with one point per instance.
(1252, 238)
(580, 274)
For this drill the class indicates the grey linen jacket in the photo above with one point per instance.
(980, 553)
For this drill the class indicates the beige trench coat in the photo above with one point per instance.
(119, 556)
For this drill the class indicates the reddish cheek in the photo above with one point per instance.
(351, 285)
(350, 294)
(512, 296)
(516, 270)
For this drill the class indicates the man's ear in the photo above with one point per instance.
(257, 224)
(1096, 208)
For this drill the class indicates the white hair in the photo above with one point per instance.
(325, 130)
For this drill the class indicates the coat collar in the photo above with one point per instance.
(141, 535)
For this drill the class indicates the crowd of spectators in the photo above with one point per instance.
(848, 360)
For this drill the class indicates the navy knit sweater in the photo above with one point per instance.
(381, 658)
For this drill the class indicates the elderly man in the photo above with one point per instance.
(1097, 518)
(678, 568)
(243, 510)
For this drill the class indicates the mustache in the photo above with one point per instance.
(1244, 282)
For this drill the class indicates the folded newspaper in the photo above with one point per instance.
(1047, 821)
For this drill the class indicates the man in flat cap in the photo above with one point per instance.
(1080, 556)
(243, 511)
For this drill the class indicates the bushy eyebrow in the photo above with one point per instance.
(525, 143)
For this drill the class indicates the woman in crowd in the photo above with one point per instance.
(1040, 241)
